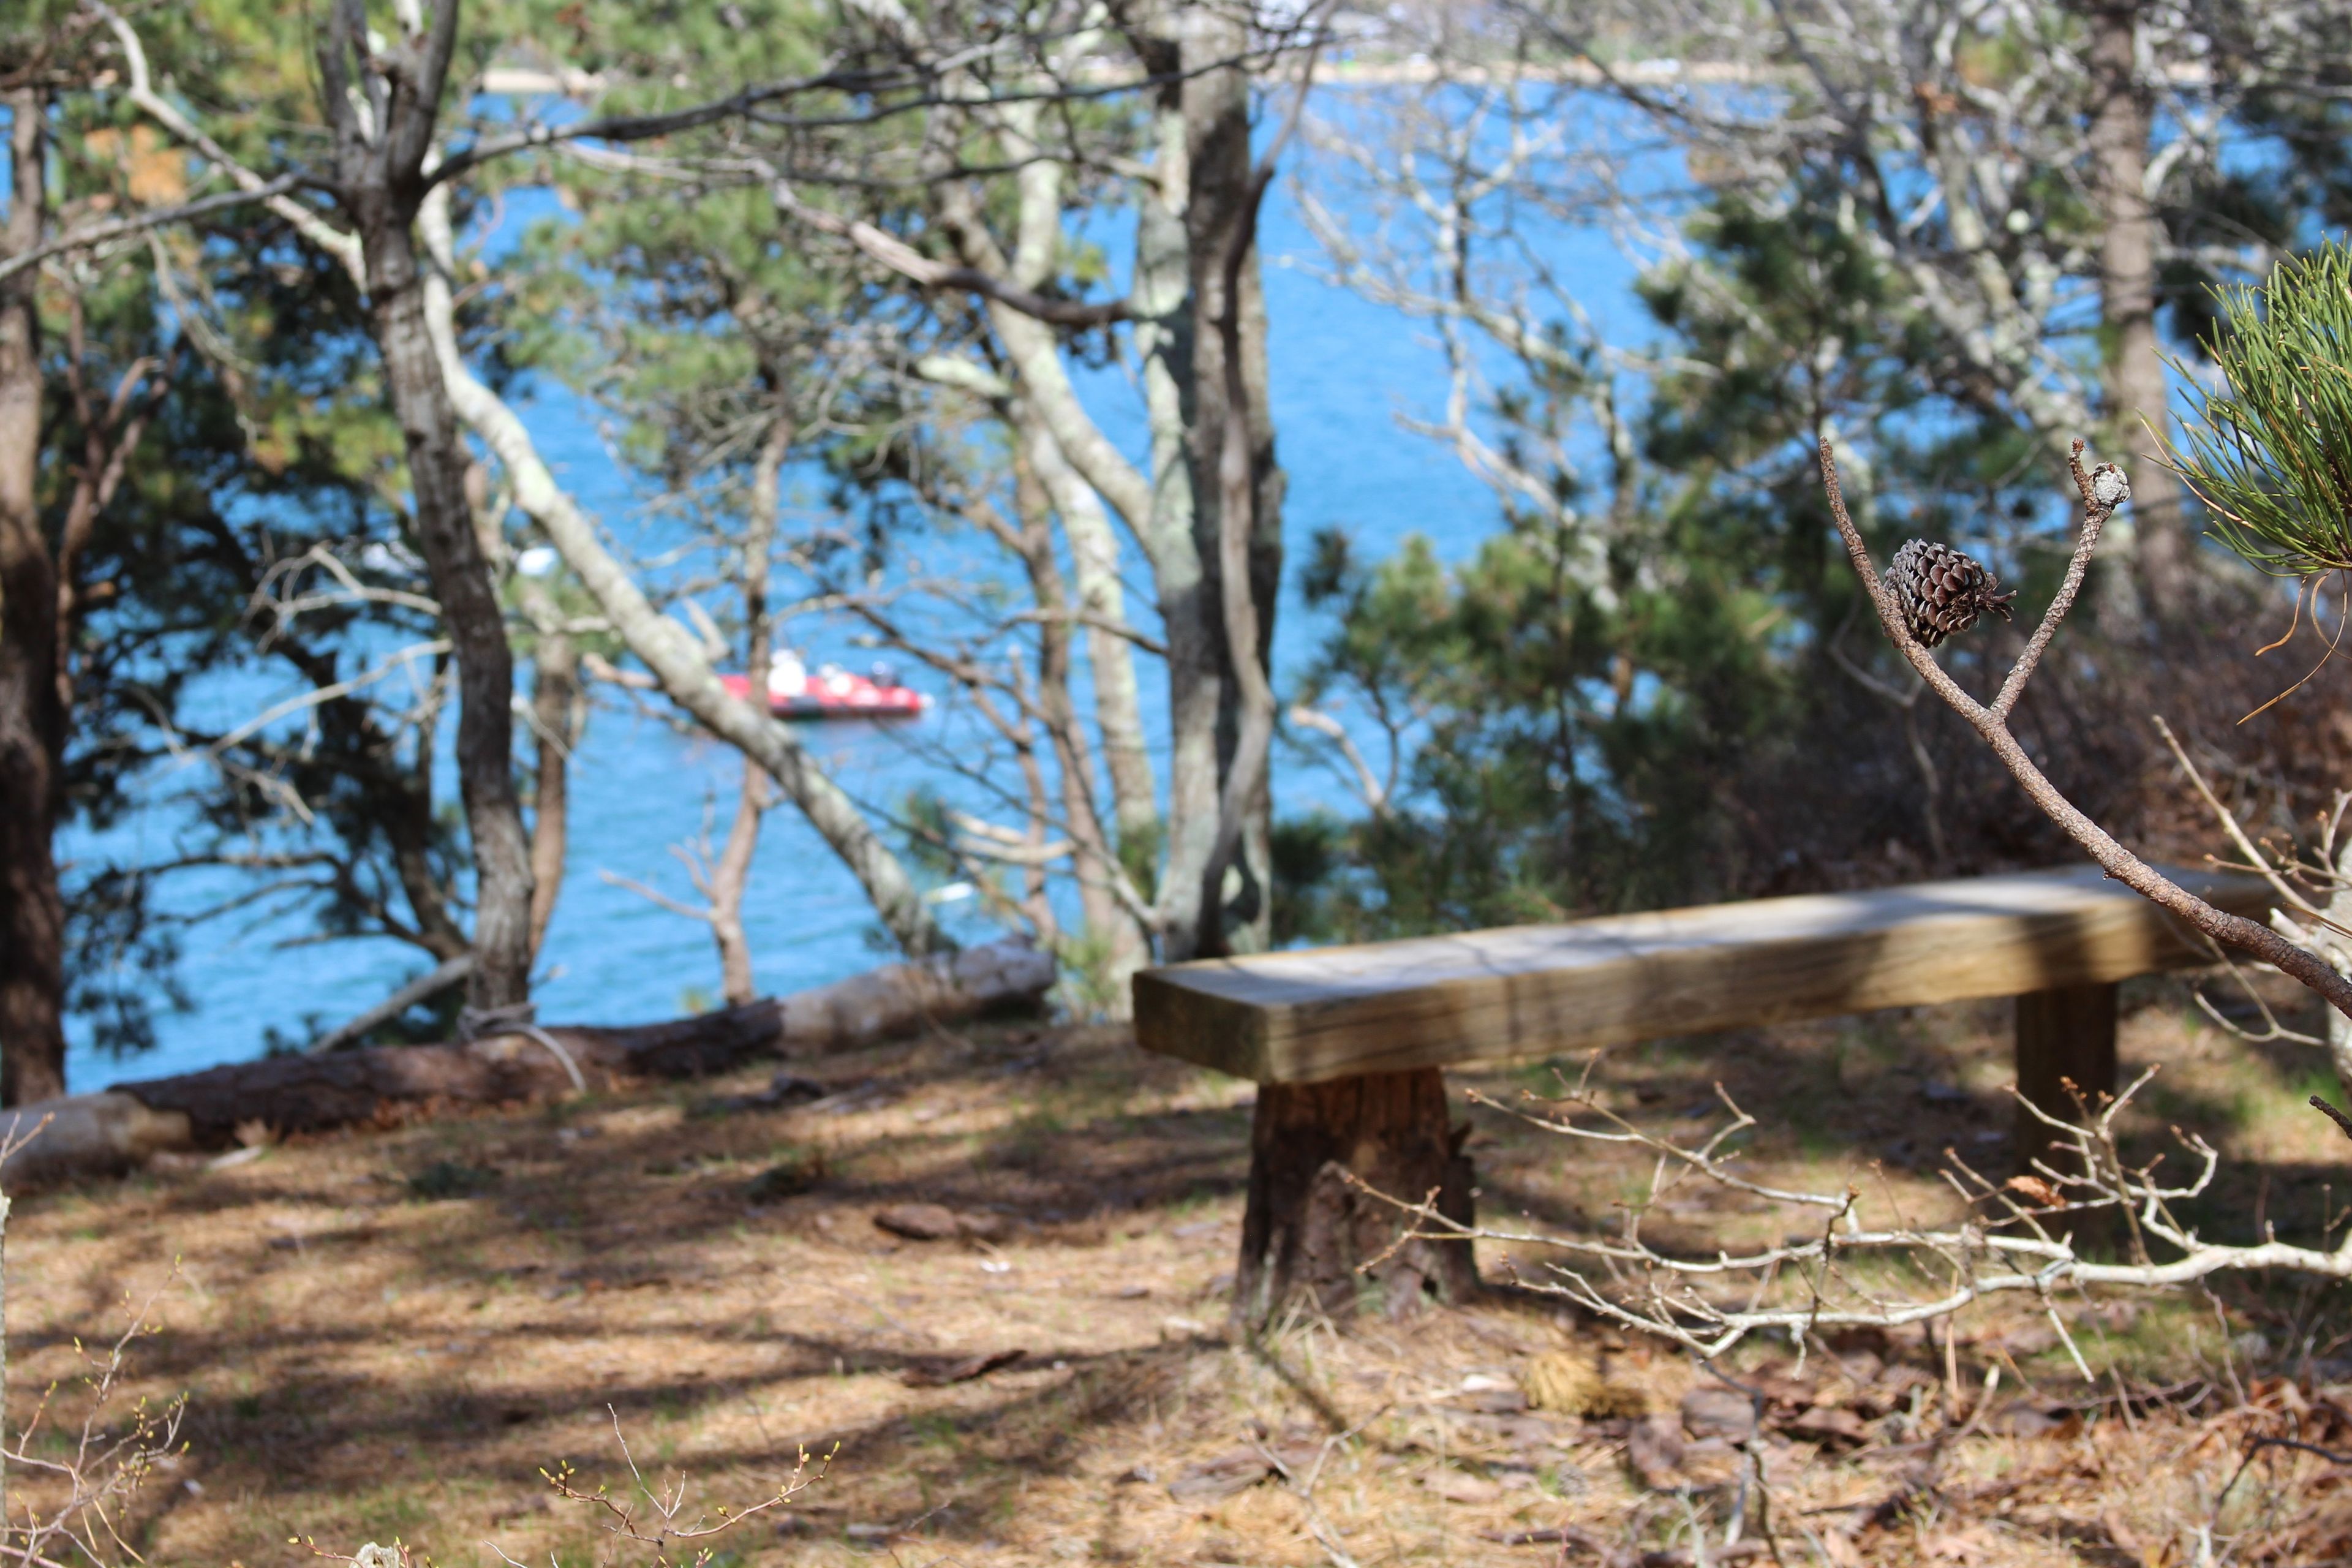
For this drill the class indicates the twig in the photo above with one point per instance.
(2101, 495)
(2342, 1121)
(2259, 863)
(2257, 1446)
(155, 218)
(1804, 1285)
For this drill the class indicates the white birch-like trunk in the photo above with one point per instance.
(1163, 338)
(1237, 500)
(730, 872)
(669, 649)
(1101, 600)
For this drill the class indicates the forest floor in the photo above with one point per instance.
(388, 1333)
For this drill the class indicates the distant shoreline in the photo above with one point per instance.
(526, 81)
(529, 81)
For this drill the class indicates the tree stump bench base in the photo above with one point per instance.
(1348, 1044)
(1321, 1228)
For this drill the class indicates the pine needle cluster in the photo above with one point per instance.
(2270, 452)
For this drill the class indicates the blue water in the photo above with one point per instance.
(1343, 370)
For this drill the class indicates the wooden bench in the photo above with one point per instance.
(1349, 1043)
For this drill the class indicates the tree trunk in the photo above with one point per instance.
(1268, 485)
(2337, 949)
(558, 712)
(730, 874)
(1094, 549)
(1047, 487)
(1036, 892)
(1235, 908)
(1163, 345)
(1165, 331)
(96, 1134)
(1312, 1234)
(1081, 469)
(2158, 547)
(381, 108)
(461, 581)
(1135, 810)
(32, 719)
(731, 877)
(1094, 560)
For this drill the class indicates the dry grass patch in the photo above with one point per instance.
(389, 1333)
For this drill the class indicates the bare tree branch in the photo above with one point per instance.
(2017, 1238)
(154, 218)
(2101, 494)
(344, 248)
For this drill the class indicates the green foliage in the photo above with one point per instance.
(1139, 848)
(1089, 986)
(1558, 732)
(1307, 852)
(450, 1179)
(800, 1170)
(1635, 701)
(2270, 452)
(265, 440)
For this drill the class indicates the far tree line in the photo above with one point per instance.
(265, 308)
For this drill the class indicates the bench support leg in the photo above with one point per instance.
(2067, 1035)
(1307, 1228)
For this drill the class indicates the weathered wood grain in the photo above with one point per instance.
(2065, 1036)
(1531, 991)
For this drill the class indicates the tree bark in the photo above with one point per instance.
(1311, 1233)
(559, 711)
(2138, 391)
(32, 717)
(1101, 602)
(1236, 488)
(2329, 944)
(96, 1134)
(1094, 549)
(1164, 329)
(1019, 729)
(1158, 510)
(730, 874)
(1126, 945)
(1094, 560)
(384, 121)
(731, 877)
(469, 608)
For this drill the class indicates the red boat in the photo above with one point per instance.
(832, 692)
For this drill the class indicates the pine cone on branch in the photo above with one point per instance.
(1941, 591)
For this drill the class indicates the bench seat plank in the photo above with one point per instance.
(1491, 996)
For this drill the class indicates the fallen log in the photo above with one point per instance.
(119, 1127)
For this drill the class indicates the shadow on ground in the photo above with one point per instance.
(366, 1357)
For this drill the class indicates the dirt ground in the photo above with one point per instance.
(390, 1333)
